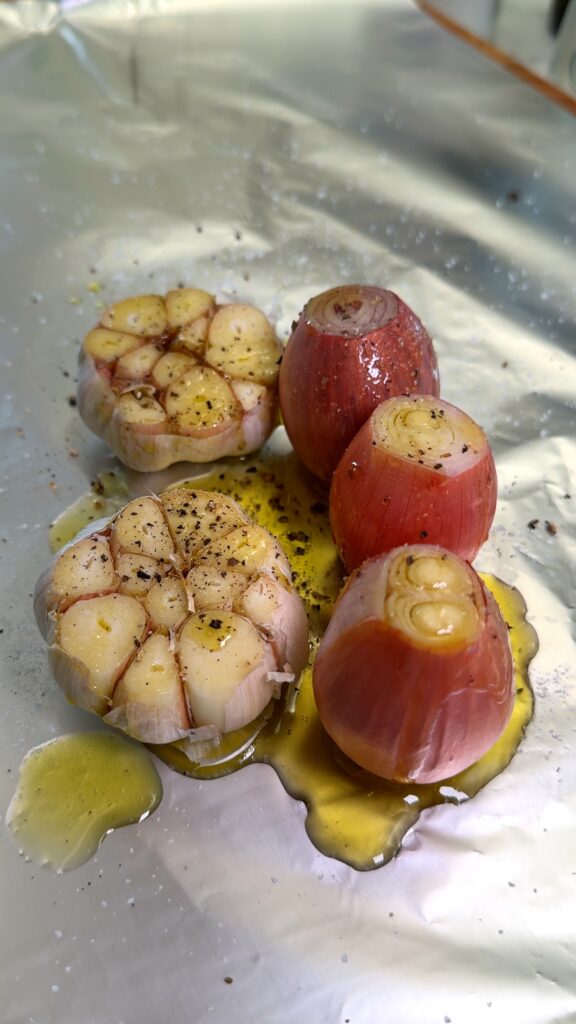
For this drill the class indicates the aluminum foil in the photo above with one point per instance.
(270, 150)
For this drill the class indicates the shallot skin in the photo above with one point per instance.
(380, 499)
(335, 369)
(399, 709)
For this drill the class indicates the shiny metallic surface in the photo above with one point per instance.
(564, 57)
(271, 151)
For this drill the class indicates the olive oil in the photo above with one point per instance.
(107, 494)
(74, 790)
(352, 815)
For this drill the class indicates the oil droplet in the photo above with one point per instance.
(107, 495)
(74, 790)
(352, 815)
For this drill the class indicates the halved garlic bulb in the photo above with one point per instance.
(178, 614)
(414, 678)
(178, 378)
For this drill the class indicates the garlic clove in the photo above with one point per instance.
(138, 573)
(168, 603)
(242, 344)
(201, 402)
(83, 568)
(137, 365)
(248, 394)
(140, 412)
(143, 314)
(185, 305)
(225, 663)
(170, 367)
(196, 518)
(141, 529)
(214, 588)
(47, 602)
(259, 408)
(279, 612)
(192, 337)
(106, 346)
(102, 634)
(149, 695)
(247, 549)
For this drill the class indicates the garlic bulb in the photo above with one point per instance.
(178, 615)
(172, 379)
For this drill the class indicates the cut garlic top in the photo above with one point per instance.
(179, 613)
(164, 380)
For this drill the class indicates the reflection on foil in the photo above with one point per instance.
(277, 150)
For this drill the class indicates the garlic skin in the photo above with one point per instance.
(414, 678)
(178, 378)
(352, 347)
(176, 619)
(420, 470)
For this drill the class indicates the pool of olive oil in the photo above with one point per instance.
(352, 815)
(74, 790)
(108, 493)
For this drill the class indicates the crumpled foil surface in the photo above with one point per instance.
(271, 149)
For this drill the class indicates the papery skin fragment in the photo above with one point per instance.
(381, 498)
(401, 706)
(145, 416)
(335, 372)
(140, 682)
